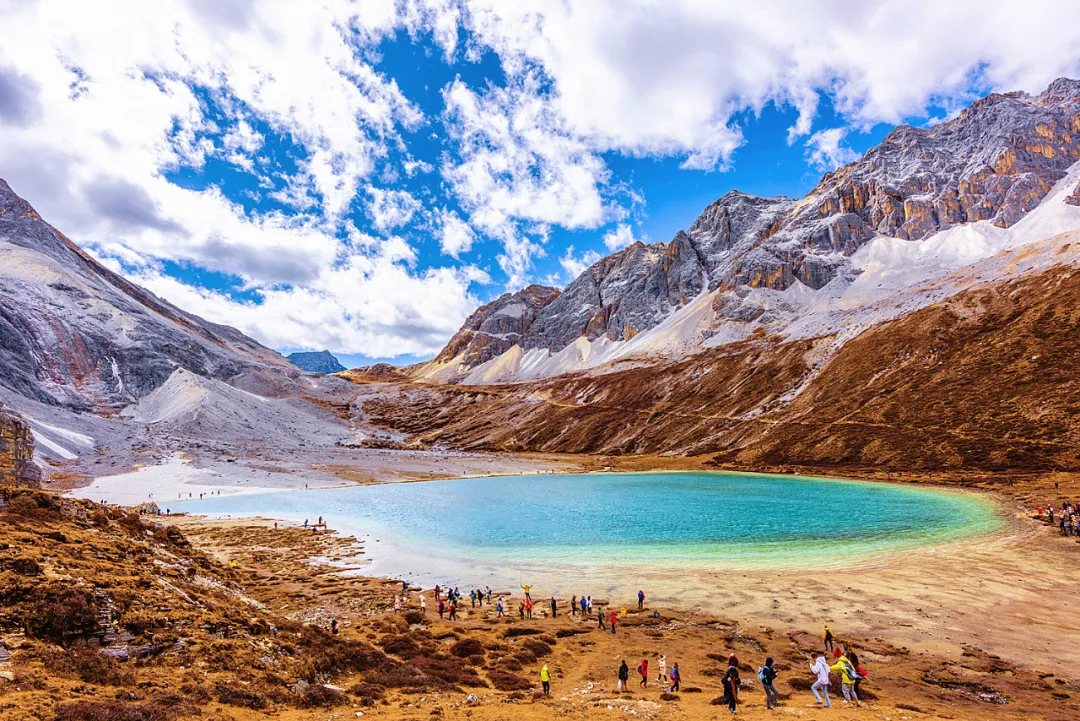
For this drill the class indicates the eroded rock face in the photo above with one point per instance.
(75, 334)
(17, 467)
(496, 327)
(995, 162)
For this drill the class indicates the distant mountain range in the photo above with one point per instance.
(316, 362)
(856, 250)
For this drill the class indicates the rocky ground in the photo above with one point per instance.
(109, 616)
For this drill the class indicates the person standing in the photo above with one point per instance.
(676, 677)
(661, 664)
(554, 611)
(499, 608)
(588, 603)
(528, 592)
(487, 589)
(730, 683)
(624, 675)
(442, 607)
(423, 604)
(584, 607)
(860, 673)
(848, 675)
(821, 667)
(600, 619)
(472, 597)
(521, 610)
(545, 679)
(640, 600)
(528, 608)
(573, 606)
(767, 675)
(614, 617)
(643, 669)
(827, 637)
(453, 611)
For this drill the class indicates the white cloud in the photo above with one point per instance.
(575, 266)
(666, 76)
(389, 209)
(825, 150)
(455, 235)
(619, 238)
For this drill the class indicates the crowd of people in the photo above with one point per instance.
(668, 678)
(1067, 517)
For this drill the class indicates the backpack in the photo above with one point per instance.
(761, 675)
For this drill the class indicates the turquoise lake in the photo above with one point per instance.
(501, 525)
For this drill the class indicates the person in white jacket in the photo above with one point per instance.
(821, 667)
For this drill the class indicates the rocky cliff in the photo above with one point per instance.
(17, 466)
(992, 164)
(316, 362)
(77, 335)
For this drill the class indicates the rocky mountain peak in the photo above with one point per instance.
(316, 362)
(494, 328)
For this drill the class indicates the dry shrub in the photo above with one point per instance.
(317, 696)
(414, 618)
(521, 631)
(326, 654)
(62, 611)
(691, 689)
(467, 647)
(89, 666)
(524, 657)
(504, 681)
(163, 707)
(400, 645)
(568, 632)
(243, 697)
(22, 565)
(669, 696)
(537, 647)
(367, 692)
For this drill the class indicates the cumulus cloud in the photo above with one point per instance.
(825, 150)
(573, 265)
(455, 235)
(391, 209)
(619, 238)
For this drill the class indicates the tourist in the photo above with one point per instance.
(676, 677)
(320, 521)
(528, 592)
(472, 597)
(487, 589)
(554, 612)
(528, 608)
(333, 626)
(827, 637)
(613, 619)
(821, 667)
(521, 610)
(305, 523)
(453, 611)
(624, 675)
(730, 682)
(848, 674)
(397, 603)
(499, 608)
(767, 675)
(438, 591)
(600, 619)
(860, 673)
(661, 664)
(643, 669)
(423, 604)
(640, 600)
(573, 606)
(585, 607)
(442, 608)
(545, 679)
(404, 587)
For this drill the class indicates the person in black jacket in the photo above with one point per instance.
(767, 674)
(624, 675)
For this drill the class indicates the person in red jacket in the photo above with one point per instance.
(643, 669)
(614, 617)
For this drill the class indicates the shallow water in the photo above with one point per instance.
(497, 526)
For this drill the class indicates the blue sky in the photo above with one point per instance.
(359, 176)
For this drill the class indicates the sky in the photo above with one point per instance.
(360, 176)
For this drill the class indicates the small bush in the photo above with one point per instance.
(504, 681)
(414, 618)
(400, 645)
(467, 647)
(89, 666)
(537, 647)
(243, 697)
(521, 631)
(163, 707)
(63, 611)
(317, 696)
(669, 696)
(691, 689)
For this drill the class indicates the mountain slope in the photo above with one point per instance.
(75, 334)
(981, 380)
(316, 362)
(825, 264)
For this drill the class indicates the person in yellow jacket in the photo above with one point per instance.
(545, 679)
(848, 676)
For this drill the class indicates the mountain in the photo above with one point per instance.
(17, 466)
(316, 362)
(76, 335)
(854, 252)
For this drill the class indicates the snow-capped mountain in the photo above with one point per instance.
(875, 240)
